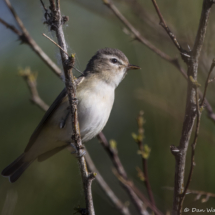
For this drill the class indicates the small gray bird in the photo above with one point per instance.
(95, 94)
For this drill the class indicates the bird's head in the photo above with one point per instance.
(110, 65)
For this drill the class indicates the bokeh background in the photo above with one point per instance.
(54, 186)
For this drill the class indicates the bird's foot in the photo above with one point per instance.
(79, 153)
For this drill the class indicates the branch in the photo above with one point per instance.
(193, 146)
(144, 152)
(200, 194)
(143, 40)
(30, 78)
(118, 204)
(190, 113)
(55, 20)
(199, 108)
(208, 80)
(166, 28)
(136, 196)
(25, 37)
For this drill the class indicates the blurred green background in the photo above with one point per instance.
(54, 186)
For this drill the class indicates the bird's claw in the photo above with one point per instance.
(78, 153)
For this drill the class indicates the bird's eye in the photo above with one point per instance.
(114, 60)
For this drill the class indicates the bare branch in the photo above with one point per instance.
(199, 194)
(25, 37)
(208, 80)
(68, 63)
(143, 40)
(56, 44)
(144, 155)
(118, 204)
(199, 108)
(190, 113)
(11, 27)
(193, 146)
(129, 185)
(166, 28)
(139, 200)
(31, 79)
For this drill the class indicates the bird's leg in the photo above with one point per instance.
(76, 150)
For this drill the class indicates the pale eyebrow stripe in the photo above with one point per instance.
(112, 56)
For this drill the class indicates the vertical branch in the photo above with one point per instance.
(191, 58)
(55, 20)
(199, 108)
(116, 201)
(190, 112)
(144, 155)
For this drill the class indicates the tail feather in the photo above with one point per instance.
(16, 168)
(10, 169)
(19, 172)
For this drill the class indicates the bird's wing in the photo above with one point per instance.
(49, 113)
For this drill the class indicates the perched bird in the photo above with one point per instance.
(95, 94)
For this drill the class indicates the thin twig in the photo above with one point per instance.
(31, 79)
(142, 39)
(116, 201)
(208, 80)
(25, 37)
(129, 184)
(56, 44)
(198, 193)
(139, 140)
(68, 63)
(136, 196)
(11, 27)
(164, 25)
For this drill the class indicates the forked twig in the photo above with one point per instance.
(160, 53)
(139, 200)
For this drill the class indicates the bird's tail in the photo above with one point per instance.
(16, 168)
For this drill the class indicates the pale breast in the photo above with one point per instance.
(94, 109)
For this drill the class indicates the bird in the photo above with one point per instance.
(95, 92)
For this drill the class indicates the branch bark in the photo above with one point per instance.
(68, 62)
(190, 112)
(116, 201)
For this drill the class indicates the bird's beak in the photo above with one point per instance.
(130, 66)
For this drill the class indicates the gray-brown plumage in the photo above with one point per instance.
(95, 93)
